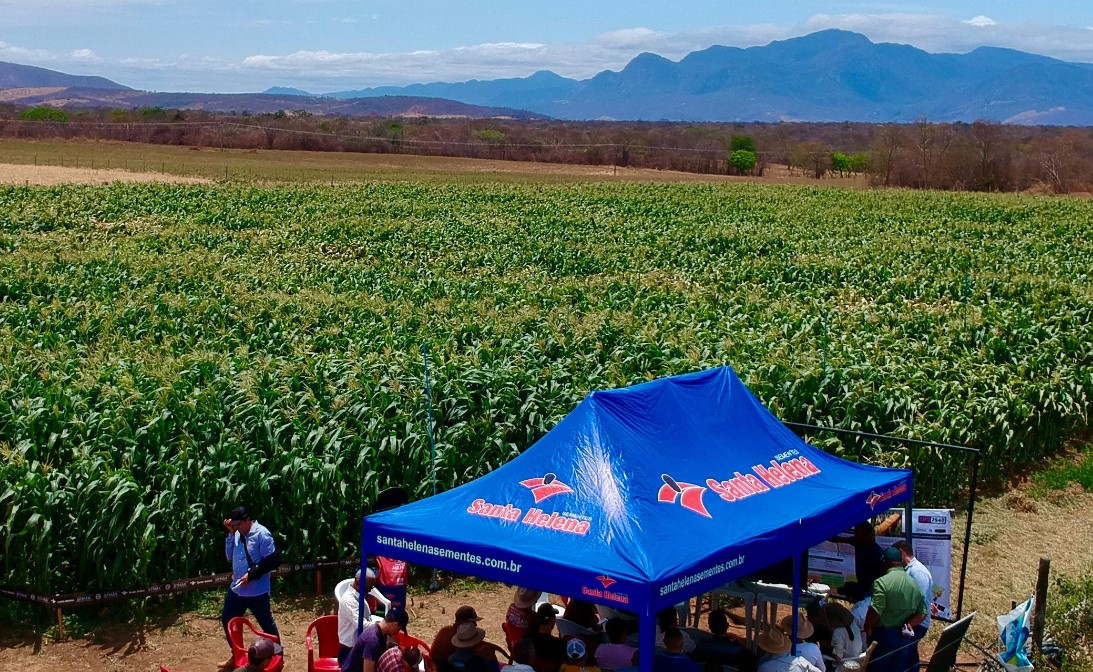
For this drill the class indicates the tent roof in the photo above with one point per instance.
(642, 497)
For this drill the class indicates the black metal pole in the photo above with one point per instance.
(968, 534)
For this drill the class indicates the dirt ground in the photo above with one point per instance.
(1010, 534)
(49, 175)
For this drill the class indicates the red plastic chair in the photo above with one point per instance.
(239, 649)
(513, 634)
(326, 630)
(405, 641)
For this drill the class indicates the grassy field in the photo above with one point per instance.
(166, 350)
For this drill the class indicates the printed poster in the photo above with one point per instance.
(932, 536)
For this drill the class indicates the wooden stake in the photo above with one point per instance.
(318, 582)
(60, 626)
(1039, 614)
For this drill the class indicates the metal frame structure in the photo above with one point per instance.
(803, 428)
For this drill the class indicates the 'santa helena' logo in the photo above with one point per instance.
(689, 495)
(545, 487)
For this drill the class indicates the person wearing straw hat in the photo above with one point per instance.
(521, 613)
(807, 650)
(442, 643)
(846, 638)
(779, 658)
(469, 642)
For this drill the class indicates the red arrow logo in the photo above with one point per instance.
(689, 495)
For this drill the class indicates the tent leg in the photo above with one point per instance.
(796, 598)
(647, 636)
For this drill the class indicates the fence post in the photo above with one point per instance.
(318, 582)
(60, 626)
(1039, 614)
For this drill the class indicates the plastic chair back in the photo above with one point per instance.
(239, 649)
(322, 655)
(571, 629)
(513, 634)
(405, 641)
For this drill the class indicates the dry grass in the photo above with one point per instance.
(1010, 534)
(50, 175)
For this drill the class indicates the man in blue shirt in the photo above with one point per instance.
(249, 547)
(673, 660)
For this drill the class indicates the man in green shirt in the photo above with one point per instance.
(898, 606)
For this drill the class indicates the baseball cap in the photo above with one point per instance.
(466, 613)
(262, 649)
(892, 554)
(239, 513)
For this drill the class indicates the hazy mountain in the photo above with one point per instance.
(14, 76)
(831, 75)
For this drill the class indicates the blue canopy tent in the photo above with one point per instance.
(643, 497)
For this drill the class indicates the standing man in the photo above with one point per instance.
(925, 582)
(898, 606)
(250, 549)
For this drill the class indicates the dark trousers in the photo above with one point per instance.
(893, 652)
(237, 605)
(343, 653)
(913, 658)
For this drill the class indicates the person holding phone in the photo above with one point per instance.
(250, 549)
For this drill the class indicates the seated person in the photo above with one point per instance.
(396, 659)
(778, 658)
(810, 651)
(549, 650)
(821, 635)
(846, 638)
(471, 650)
(521, 614)
(722, 648)
(673, 658)
(669, 618)
(583, 613)
(350, 608)
(259, 655)
(576, 655)
(371, 643)
(522, 653)
(616, 654)
(442, 643)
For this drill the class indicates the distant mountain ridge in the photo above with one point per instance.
(15, 76)
(832, 75)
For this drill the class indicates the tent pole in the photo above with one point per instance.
(363, 582)
(796, 598)
(647, 637)
(907, 518)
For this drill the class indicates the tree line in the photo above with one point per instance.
(981, 156)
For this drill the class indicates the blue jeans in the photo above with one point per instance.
(236, 605)
(894, 651)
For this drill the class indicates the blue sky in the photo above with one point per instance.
(328, 45)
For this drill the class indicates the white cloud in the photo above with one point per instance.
(85, 55)
(981, 21)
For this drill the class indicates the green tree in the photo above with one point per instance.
(44, 114)
(840, 163)
(742, 161)
(744, 142)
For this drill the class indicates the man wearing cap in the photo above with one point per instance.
(925, 582)
(779, 656)
(442, 644)
(348, 594)
(250, 549)
(471, 650)
(372, 642)
(548, 648)
(397, 659)
(898, 606)
(260, 655)
(521, 614)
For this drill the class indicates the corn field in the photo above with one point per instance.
(169, 351)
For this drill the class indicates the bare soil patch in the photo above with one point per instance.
(49, 175)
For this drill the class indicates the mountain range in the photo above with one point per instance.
(831, 75)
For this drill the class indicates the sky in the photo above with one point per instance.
(237, 46)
